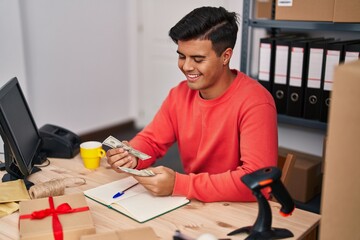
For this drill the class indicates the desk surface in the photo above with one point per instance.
(194, 219)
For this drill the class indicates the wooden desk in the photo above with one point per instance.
(196, 218)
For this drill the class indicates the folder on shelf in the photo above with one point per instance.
(266, 62)
(312, 100)
(281, 72)
(279, 90)
(298, 69)
(352, 52)
(335, 54)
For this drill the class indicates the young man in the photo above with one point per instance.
(224, 122)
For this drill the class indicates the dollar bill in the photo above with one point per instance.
(115, 143)
(143, 172)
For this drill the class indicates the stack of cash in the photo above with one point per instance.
(143, 173)
(115, 143)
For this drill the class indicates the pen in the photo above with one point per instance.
(118, 194)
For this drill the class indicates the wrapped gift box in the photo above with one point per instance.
(38, 218)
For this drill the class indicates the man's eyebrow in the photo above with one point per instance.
(192, 56)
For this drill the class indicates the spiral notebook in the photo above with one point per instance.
(136, 203)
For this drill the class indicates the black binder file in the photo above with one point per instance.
(352, 52)
(333, 56)
(281, 71)
(280, 85)
(312, 101)
(266, 62)
(299, 62)
(267, 57)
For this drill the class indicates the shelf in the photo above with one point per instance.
(304, 25)
(302, 122)
(248, 22)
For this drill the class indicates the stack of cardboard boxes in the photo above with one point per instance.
(310, 10)
(318, 10)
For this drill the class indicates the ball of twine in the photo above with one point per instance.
(54, 187)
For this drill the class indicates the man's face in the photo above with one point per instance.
(201, 66)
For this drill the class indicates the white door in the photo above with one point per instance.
(157, 58)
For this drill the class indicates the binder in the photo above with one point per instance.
(352, 52)
(313, 92)
(335, 54)
(281, 72)
(266, 62)
(299, 62)
(279, 90)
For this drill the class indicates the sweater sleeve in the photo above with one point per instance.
(258, 149)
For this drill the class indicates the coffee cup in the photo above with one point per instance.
(91, 152)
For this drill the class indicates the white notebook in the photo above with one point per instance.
(136, 203)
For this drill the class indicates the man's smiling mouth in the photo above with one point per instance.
(192, 77)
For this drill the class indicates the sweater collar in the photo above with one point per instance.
(226, 95)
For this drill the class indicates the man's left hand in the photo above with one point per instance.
(161, 184)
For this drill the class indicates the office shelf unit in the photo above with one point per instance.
(274, 25)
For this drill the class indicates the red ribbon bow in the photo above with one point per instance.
(63, 208)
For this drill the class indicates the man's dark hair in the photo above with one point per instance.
(208, 23)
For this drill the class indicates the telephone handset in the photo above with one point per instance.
(59, 142)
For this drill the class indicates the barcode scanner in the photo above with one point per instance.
(268, 177)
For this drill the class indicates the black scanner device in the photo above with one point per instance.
(59, 142)
(269, 177)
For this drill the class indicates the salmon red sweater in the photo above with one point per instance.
(219, 140)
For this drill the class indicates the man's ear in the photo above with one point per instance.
(226, 55)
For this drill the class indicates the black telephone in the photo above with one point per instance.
(59, 142)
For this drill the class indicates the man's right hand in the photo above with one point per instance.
(119, 157)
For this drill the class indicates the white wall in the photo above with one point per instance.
(76, 55)
(301, 139)
(11, 44)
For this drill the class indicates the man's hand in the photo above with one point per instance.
(162, 184)
(119, 157)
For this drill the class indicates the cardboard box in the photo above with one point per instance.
(304, 10)
(73, 224)
(341, 196)
(130, 234)
(347, 11)
(305, 180)
(263, 9)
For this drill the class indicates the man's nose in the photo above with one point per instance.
(188, 65)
